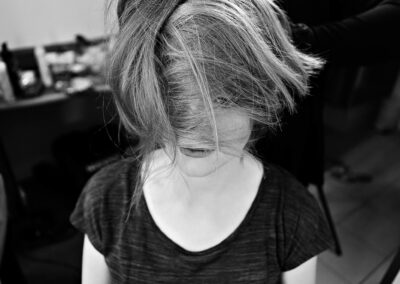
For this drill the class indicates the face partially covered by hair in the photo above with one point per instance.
(198, 159)
(178, 74)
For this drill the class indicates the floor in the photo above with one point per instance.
(366, 214)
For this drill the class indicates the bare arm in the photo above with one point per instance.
(94, 267)
(364, 37)
(303, 274)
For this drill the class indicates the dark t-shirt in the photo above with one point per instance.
(282, 229)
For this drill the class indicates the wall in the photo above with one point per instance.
(25, 23)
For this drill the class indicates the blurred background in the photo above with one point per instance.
(58, 126)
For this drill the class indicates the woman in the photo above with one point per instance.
(197, 82)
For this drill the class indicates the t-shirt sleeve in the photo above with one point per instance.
(305, 231)
(89, 215)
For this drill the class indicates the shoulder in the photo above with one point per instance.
(113, 178)
(294, 199)
(302, 230)
(284, 198)
(286, 186)
(112, 188)
(114, 172)
(103, 203)
(282, 185)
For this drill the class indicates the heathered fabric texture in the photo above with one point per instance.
(283, 228)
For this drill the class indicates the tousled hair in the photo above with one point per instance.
(174, 65)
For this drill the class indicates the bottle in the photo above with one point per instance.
(12, 69)
(44, 70)
(6, 91)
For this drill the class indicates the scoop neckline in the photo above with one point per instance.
(167, 241)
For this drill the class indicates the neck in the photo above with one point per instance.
(183, 186)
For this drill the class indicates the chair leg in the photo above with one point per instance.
(331, 224)
(393, 270)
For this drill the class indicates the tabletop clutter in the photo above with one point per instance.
(67, 68)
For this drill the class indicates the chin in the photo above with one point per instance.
(201, 167)
(197, 173)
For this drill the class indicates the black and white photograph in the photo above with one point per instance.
(200, 141)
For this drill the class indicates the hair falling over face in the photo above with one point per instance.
(175, 65)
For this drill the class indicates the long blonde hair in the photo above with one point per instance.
(174, 65)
